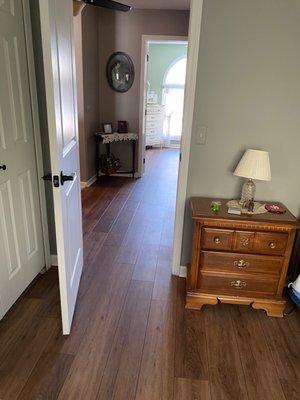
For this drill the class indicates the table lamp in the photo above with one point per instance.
(255, 164)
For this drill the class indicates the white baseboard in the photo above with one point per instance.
(183, 272)
(89, 182)
(54, 260)
(136, 175)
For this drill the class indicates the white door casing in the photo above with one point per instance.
(146, 40)
(21, 237)
(187, 127)
(59, 67)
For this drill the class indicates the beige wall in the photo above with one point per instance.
(123, 32)
(248, 96)
(87, 77)
(77, 20)
(90, 71)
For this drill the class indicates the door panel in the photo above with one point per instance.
(21, 243)
(59, 66)
(8, 6)
(9, 230)
(27, 206)
(15, 91)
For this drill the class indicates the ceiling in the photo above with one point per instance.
(159, 4)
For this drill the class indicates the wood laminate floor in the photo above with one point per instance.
(132, 339)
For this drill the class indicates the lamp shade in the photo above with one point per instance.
(255, 164)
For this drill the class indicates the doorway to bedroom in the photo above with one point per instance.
(163, 96)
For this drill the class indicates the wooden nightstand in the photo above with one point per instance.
(239, 259)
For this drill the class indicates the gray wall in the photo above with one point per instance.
(90, 65)
(248, 96)
(87, 75)
(80, 95)
(123, 32)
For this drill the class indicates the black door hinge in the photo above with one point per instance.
(144, 160)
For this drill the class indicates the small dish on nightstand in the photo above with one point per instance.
(275, 208)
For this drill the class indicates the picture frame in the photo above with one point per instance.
(120, 72)
(107, 128)
(122, 127)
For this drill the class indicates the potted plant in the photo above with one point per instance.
(109, 164)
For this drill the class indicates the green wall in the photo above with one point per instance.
(161, 56)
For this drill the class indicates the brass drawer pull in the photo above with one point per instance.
(272, 245)
(217, 240)
(238, 284)
(241, 264)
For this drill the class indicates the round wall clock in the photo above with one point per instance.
(120, 72)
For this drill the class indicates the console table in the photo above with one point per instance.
(110, 138)
(239, 259)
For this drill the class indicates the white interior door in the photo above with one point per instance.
(21, 243)
(59, 65)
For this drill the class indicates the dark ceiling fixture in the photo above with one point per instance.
(110, 4)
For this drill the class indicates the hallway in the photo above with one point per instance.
(131, 337)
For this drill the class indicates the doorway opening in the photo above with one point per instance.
(173, 99)
(163, 95)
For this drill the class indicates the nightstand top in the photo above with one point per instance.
(201, 209)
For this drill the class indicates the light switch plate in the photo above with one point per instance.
(201, 135)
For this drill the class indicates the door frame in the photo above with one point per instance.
(143, 89)
(188, 118)
(36, 130)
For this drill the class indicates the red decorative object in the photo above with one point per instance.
(275, 208)
(122, 127)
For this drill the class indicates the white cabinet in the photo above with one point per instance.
(154, 124)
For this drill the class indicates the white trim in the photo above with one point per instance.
(129, 175)
(136, 175)
(191, 81)
(182, 272)
(54, 260)
(36, 130)
(146, 39)
(91, 181)
(88, 183)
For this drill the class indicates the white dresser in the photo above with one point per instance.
(155, 115)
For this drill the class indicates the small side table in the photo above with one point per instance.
(110, 138)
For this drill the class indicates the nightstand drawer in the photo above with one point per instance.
(235, 284)
(244, 241)
(270, 243)
(236, 262)
(217, 239)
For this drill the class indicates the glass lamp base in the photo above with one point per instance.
(248, 191)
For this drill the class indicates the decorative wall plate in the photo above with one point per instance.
(120, 72)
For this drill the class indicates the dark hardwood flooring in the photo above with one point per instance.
(131, 336)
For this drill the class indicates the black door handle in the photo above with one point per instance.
(65, 178)
(47, 177)
(50, 177)
(3, 167)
